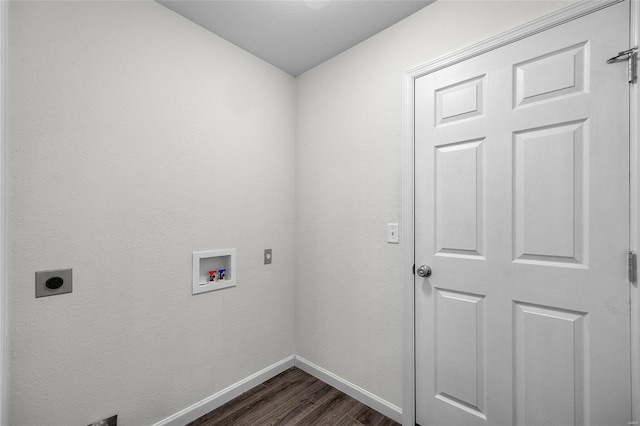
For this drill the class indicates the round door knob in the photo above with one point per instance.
(424, 271)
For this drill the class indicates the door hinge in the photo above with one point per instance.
(631, 266)
(413, 269)
(631, 55)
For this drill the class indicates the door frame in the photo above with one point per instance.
(4, 330)
(407, 230)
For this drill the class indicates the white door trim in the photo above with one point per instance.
(407, 230)
(634, 189)
(4, 334)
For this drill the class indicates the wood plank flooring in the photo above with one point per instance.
(294, 398)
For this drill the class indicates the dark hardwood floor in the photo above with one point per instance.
(294, 398)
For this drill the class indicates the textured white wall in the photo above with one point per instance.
(349, 295)
(136, 137)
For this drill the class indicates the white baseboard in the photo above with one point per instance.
(218, 399)
(367, 398)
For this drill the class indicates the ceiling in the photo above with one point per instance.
(295, 35)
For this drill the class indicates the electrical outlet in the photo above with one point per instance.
(267, 256)
(56, 281)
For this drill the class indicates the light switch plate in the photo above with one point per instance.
(392, 233)
(267, 256)
(43, 276)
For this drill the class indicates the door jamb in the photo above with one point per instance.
(4, 334)
(407, 230)
(634, 222)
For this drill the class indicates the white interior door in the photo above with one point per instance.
(522, 212)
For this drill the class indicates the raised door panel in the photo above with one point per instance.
(460, 346)
(459, 199)
(460, 101)
(550, 173)
(553, 75)
(551, 361)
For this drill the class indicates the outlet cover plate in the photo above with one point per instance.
(267, 256)
(41, 279)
